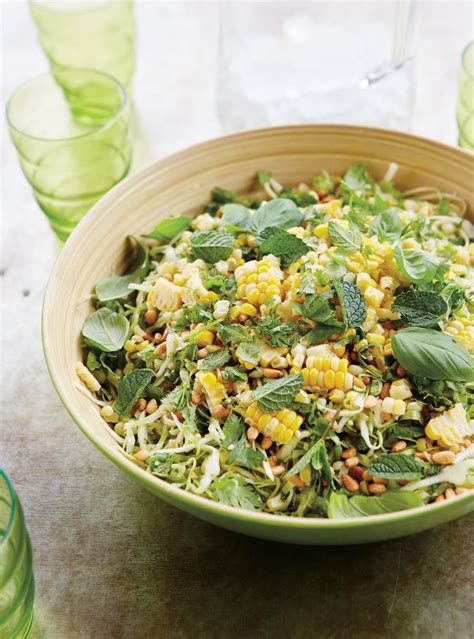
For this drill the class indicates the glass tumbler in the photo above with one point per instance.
(97, 34)
(71, 132)
(17, 588)
(465, 107)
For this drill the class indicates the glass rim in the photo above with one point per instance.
(58, 10)
(469, 72)
(50, 74)
(11, 490)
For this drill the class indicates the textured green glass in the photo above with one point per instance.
(71, 132)
(85, 33)
(17, 587)
(465, 108)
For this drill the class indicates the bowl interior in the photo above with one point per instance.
(180, 184)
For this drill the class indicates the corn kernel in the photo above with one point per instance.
(280, 426)
(204, 338)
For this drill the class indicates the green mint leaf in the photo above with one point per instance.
(286, 246)
(420, 308)
(278, 393)
(349, 240)
(236, 492)
(302, 199)
(425, 352)
(214, 360)
(106, 330)
(335, 269)
(416, 266)
(212, 246)
(354, 308)
(387, 226)
(235, 443)
(222, 196)
(248, 352)
(236, 217)
(279, 212)
(233, 374)
(342, 507)
(356, 178)
(131, 388)
(170, 227)
(395, 466)
(403, 430)
(234, 333)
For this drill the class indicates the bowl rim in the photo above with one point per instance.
(133, 469)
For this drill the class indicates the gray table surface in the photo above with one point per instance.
(110, 559)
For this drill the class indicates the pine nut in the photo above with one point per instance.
(351, 461)
(159, 337)
(449, 493)
(439, 498)
(421, 456)
(142, 455)
(219, 412)
(376, 489)
(160, 349)
(357, 472)
(399, 446)
(151, 406)
(266, 442)
(295, 479)
(370, 401)
(278, 470)
(150, 316)
(203, 352)
(350, 483)
(349, 452)
(252, 433)
(460, 490)
(385, 392)
(139, 406)
(367, 476)
(443, 457)
(271, 373)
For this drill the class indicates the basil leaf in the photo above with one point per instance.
(341, 507)
(214, 360)
(420, 308)
(349, 240)
(321, 333)
(236, 444)
(387, 226)
(236, 492)
(279, 212)
(116, 286)
(432, 354)
(395, 466)
(278, 393)
(416, 266)
(453, 295)
(320, 462)
(248, 352)
(286, 246)
(131, 388)
(233, 374)
(170, 227)
(212, 246)
(356, 177)
(354, 308)
(106, 330)
(236, 217)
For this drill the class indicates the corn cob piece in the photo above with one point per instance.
(327, 373)
(463, 330)
(280, 426)
(259, 281)
(396, 407)
(165, 295)
(214, 390)
(450, 427)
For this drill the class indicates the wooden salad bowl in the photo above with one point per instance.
(181, 184)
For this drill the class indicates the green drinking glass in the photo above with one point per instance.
(17, 587)
(465, 107)
(71, 132)
(96, 34)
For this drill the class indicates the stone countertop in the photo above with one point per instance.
(111, 560)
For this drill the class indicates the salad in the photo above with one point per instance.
(306, 354)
